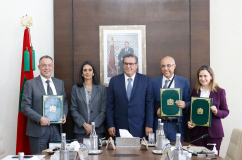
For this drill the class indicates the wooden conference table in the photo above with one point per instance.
(142, 155)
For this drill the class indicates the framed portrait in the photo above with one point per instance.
(117, 41)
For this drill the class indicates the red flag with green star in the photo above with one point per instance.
(28, 65)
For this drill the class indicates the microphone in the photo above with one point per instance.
(173, 126)
(204, 136)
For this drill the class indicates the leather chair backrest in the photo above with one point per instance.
(234, 151)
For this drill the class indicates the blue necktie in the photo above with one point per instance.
(129, 88)
(166, 82)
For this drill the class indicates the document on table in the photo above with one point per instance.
(125, 133)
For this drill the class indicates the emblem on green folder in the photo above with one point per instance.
(52, 108)
(199, 111)
(170, 102)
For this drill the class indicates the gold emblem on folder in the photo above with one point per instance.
(199, 111)
(170, 102)
(52, 108)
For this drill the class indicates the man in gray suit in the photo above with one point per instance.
(39, 129)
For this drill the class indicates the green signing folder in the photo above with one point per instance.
(201, 114)
(168, 97)
(53, 108)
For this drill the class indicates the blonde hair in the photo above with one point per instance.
(212, 84)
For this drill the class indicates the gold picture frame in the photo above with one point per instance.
(112, 40)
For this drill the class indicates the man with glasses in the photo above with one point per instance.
(130, 101)
(39, 129)
(170, 80)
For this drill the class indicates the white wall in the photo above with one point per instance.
(11, 43)
(226, 58)
(225, 42)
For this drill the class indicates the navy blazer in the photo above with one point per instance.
(135, 114)
(180, 82)
(219, 100)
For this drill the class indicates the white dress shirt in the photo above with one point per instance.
(127, 82)
(204, 94)
(164, 79)
(52, 86)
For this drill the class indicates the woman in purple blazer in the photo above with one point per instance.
(207, 88)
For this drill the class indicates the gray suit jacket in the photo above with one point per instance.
(97, 107)
(32, 104)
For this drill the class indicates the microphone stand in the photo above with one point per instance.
(204, 136)
(173, 126)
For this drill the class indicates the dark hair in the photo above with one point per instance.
(126, 42)
(95, 79)
(131, 55)
(46, 56)
(212, 83)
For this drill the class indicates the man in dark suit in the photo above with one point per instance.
(39, 129)
(170, 80)
(123, 52)
(130, 101)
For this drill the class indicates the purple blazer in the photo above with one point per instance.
(219, 100)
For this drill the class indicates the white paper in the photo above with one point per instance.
(125, 133)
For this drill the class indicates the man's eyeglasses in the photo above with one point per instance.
(131, 64)
(47, 65)
(168, 66)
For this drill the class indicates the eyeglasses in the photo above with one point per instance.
(168, 66)
(47, 65)
(131, 64)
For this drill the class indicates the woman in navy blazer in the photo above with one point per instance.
(206, 87)
(88, 103)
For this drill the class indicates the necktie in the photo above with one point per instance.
(129, 88)
(166, 82)
(49, 90)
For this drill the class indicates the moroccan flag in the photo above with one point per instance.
(111, 65)
(22, 143)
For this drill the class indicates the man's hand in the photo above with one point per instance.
(64, 119)
(112, 131)
(214, 109)
(181, 104)
(148, 130)
(158, 114)
(88, 128)
(190, 126)
(44, 121)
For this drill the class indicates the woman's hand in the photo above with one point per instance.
(190, 126)
(214, 109)
(88, 128)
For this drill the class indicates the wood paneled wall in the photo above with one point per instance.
(177, 28)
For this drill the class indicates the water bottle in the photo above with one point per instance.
(160, 138)
(93, 138)
(178, 148)
(157, 130)
(64, 153)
